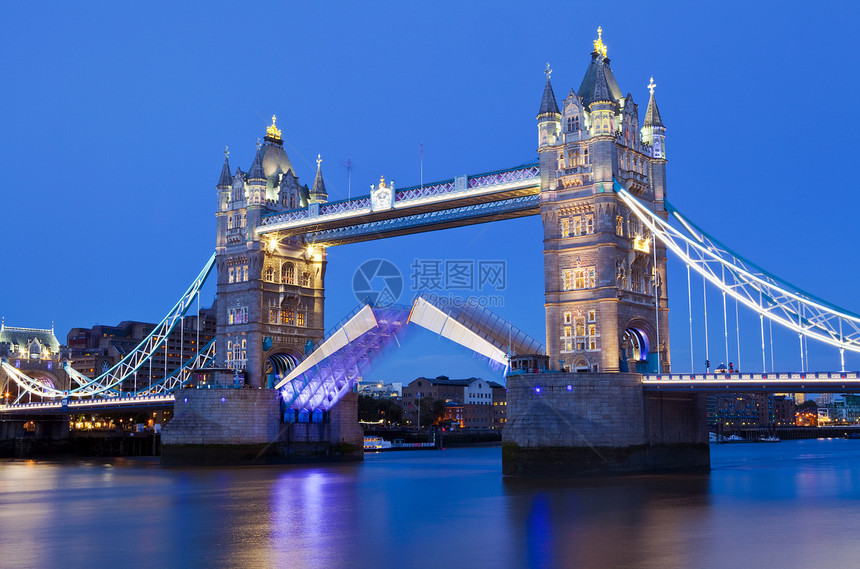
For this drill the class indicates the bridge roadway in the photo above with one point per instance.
(809, 382)
(104, 405)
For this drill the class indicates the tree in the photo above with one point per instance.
(372, 410)
(432, 411)
(368, 409)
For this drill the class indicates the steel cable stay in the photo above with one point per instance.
(749, 284)
(180, 376)
(105, 383)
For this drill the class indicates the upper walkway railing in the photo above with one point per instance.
(789, 382)
(454, 189)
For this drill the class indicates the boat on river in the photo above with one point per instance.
(376, 443)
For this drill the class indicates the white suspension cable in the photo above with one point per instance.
(761, 323)
(656, 305)
(705, 299)
(738, 334)
(783, 302)
(725, 319)
(111, 380)
(690, 309)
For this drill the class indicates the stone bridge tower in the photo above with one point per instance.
(606, 299)
(270, 293)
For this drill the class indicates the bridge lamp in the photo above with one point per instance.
(314, 252)
(537, 389)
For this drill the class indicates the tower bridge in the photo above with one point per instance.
(599, 187)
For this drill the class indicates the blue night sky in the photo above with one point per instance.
(116, 117)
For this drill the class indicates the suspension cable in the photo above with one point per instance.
(690, 309)
(784, 302)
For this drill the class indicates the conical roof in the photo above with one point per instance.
(256, 172)
(275, 160)
(599, 83)
(548, 104)
(226, 178)
(652, 114)
(319, 190)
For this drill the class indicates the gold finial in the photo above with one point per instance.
(226, 152)
(651, 86)
(273, 131)
(547, 71)
(599, 46)
(381, 182)
(319, 160)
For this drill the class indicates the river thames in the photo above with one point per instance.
(791, 504)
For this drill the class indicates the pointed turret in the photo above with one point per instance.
(601, 92)
(652, 114)
(318, 194)
(547, 102)
(256, 172)
(226, 178)
(599, 83)
(653, 130)
(549, 118)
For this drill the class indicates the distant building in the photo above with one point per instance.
(843, 410)
(745, 410)
(95, 350)
(36, 353)
(381, 390)
(500, 405)
(474, 402)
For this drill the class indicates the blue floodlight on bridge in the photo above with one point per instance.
(334, 368)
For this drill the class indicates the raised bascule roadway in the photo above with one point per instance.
(599, 187)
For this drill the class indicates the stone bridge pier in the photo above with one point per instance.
(569, 424)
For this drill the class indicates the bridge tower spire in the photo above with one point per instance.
(605, 292)
(270, 292)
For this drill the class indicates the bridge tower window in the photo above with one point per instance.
(565, 227)
(288, 274)
(270, 274)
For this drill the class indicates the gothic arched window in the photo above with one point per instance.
(288, 274)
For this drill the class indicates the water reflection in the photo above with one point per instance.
(762, 505)
(605, 523)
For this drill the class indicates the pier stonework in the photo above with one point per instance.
(244, 427)
(562, 424)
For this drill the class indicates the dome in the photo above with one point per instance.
(275, 160)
